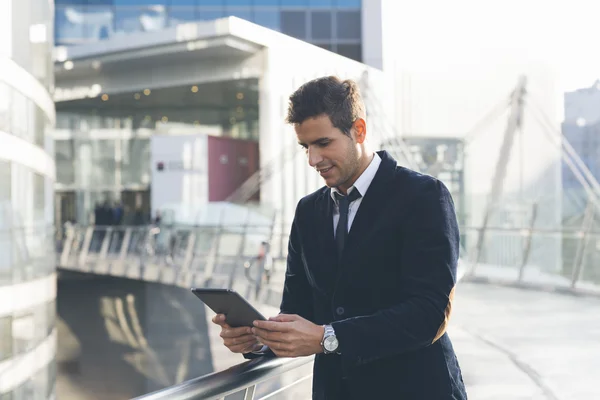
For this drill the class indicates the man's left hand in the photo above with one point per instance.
(290, 335)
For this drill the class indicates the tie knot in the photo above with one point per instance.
(344, 201)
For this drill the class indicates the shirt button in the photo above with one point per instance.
(340, 311)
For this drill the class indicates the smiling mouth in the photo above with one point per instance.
(322, 171)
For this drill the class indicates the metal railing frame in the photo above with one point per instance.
(241, 377)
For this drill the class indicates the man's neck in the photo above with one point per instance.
(364, 164)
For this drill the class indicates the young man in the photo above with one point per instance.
(371, 265)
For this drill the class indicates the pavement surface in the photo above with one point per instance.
(526, 344)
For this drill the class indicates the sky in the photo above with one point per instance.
(557, 35)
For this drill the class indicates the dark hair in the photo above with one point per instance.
(340, 100)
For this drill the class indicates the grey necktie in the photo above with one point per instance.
(341, 231)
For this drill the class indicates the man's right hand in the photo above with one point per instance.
(237, 340)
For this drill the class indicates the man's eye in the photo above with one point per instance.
(323, 144)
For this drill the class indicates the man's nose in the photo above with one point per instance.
(314, 157)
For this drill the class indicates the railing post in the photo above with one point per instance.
(587, 224)
(105, 243)
(528, 240)
(85, 246)
(64, 256)
(250, 393)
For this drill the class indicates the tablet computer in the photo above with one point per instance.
(238, 312)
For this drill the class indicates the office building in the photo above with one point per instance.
(27, 269)
(334, 25)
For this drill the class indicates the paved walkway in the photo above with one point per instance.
(526, 344)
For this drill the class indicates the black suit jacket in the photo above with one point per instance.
(390, 296)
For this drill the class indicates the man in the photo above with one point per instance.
(371, 265)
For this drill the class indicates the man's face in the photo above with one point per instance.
(332, 153)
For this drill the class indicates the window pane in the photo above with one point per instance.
(348, 25)
(5, 337)
(266, 2)
(206, 13)
(5, 100)
(352, 51)
(136, 161)
(65, 170)
(321, 3)
(348, 3)
(127, 20)
(321, 24)
(293, 23)
(269, 19)
(326, 46)
(19, 115)
(243, 13)
(238, 2)
(181, 15)
(294, 3)
(68, 24)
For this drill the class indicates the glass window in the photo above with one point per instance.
(136, 161)
(68, 27)
(39, 125)
(294, 3)
(5, 337)
(268, 19)
(65, 168)
(327, 46)
(23, 332)
(39, 198)
(266, 2)
(140, 2)
(238, 2)
(127, 20)
(5, 100)
(353, 51)
(210, 13)
(96, 163)
(321, 24)
(293, 23)
(181, 14)
(243, 13)
(19, 115)
(211, 2)
(348, 3)
(348, 25)
(321, 3)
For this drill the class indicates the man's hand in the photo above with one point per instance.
(237, 340)
(290, 335)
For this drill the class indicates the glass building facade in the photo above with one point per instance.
(331, 24)
(27, 267)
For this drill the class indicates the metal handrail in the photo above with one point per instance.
(217, 385)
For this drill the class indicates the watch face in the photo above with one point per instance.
(330, 343)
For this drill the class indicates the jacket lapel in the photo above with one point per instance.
(325, 225)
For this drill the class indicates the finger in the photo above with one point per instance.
(219, 319)
(241, 347)
(277, 346)
(236, 332)
(237, 340)
(273, 326)
(285, 318)
(269, 335)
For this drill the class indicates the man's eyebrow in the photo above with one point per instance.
(318, 141)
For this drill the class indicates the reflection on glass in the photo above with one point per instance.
(243, 13)
(5, 337)
(65, 171)
(348, 25)
(5, 100)
(181, 15)
(136, 161)
(210, 13)
(268, 19)
(321, 22)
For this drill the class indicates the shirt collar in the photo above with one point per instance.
(364, 180)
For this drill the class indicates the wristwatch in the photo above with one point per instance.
(329, 343)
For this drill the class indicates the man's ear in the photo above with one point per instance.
(360, 130)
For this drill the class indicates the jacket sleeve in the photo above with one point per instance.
(428, 263)
(296, 297)
(297, 291)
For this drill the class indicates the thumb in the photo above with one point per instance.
(285, 318)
